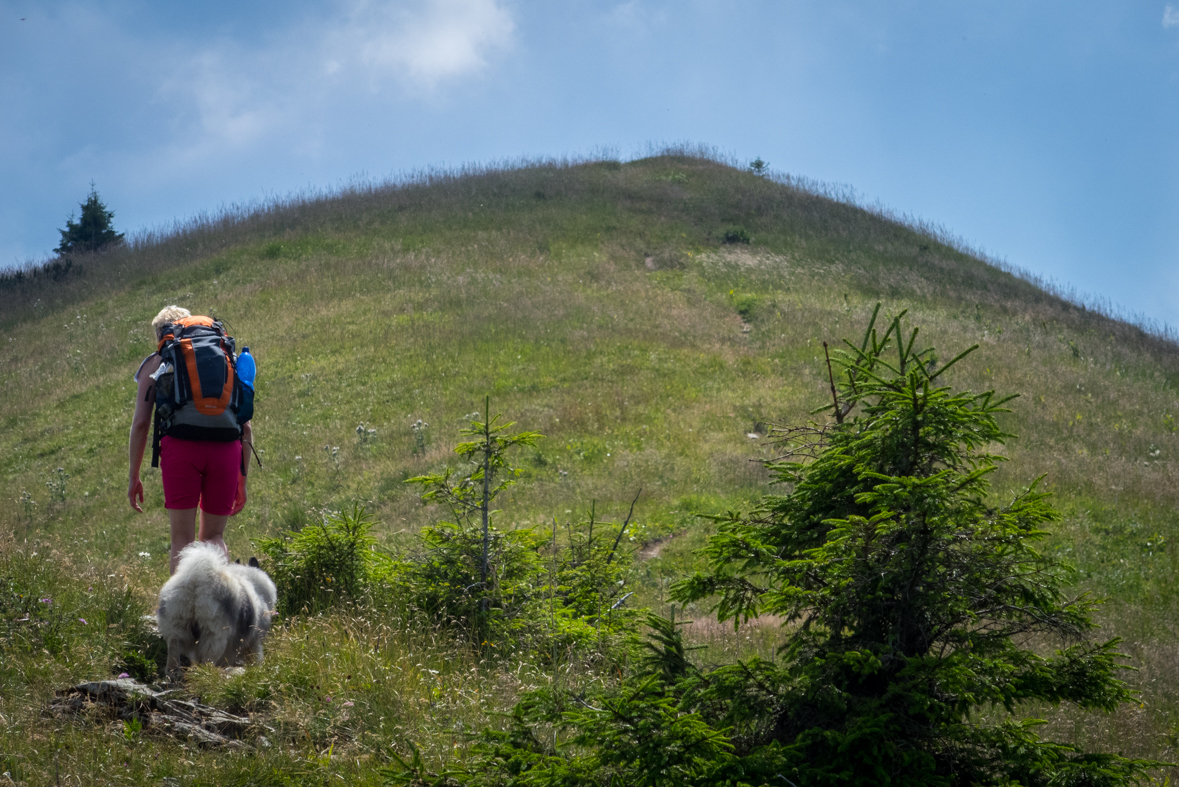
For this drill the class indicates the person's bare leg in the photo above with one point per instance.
(213, 530)
(182, 522)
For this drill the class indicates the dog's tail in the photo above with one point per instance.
(200, 560)
(194, 603)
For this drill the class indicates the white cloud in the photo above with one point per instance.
(419, 44)
(1170, 16)
(221, 95)
(228, 96)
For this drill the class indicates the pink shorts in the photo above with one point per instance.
(196, 471)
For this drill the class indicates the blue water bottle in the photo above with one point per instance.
(246, 368)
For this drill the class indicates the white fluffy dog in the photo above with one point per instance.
(213, 610)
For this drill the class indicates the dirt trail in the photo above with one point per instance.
(653, 548)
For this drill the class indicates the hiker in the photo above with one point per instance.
(193, 471)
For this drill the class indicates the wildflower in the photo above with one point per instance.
(145, 555)
(46, 601)
(123, 675)
(83, 621)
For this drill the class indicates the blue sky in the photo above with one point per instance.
(1045, 133)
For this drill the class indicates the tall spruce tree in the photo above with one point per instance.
(910, 597)
(94, 230)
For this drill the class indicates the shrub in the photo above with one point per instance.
(589, 571)
(446, 580)
(323, 564)
(581, 590)
(745, 304)
(736, 235)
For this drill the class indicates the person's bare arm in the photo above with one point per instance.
(145, 399)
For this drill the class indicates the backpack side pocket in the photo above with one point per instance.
(245, 402)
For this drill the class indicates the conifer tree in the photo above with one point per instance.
(94, 230)
(909, 596)
(471, 554)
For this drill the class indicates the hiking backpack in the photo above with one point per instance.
(199, 395)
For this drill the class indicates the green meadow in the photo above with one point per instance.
(654, 320)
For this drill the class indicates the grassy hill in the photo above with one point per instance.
(616, 309)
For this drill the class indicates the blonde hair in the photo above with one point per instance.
(167, 316)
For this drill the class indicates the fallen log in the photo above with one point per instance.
(164, 712)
